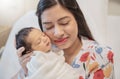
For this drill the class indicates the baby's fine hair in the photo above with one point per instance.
(21, 39)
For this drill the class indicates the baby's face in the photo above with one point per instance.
(39, 41)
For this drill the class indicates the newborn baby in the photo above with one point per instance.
(44, 63)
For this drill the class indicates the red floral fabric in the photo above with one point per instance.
(84, 57)
(81, 77)
(98, 74)
(110, 56)
(94, 61)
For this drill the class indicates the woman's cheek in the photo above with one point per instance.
(50, 35)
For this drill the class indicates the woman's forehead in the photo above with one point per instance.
(54, 13)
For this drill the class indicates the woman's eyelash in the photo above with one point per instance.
(64, 23)
(49, 27)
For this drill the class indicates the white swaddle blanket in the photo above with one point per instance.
(49, 66)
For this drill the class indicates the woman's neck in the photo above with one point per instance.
(72, 51)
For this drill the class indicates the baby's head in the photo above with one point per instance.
(33, 40)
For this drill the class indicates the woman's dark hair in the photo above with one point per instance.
(73, 7)
(21, 39)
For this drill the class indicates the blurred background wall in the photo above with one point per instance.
(113, 32)
(11, 10)
(114, 7)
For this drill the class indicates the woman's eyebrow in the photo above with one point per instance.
(58, 20)
(47, 22)
(64, 18)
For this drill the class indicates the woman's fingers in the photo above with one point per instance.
(23, 61)
(19, 51)
(24, 58)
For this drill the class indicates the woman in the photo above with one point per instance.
(64, 23)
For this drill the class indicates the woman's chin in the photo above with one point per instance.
(62, 47)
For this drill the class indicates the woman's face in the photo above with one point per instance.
(60, 25)
(39, 41)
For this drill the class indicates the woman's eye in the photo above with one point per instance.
(48, 28)
(64, 23)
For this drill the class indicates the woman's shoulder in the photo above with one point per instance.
(96, 48)
(94, 45)
(97, 52)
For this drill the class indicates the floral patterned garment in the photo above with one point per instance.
(94, 61)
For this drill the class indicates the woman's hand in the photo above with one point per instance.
(23, 59)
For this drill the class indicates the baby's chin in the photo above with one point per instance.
(48, 49)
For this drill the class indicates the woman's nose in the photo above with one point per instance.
(58, 32)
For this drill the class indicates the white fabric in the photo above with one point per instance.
(49, 66)
(9, 64)
(1, 51)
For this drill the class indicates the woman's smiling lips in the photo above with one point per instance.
(60, 41)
